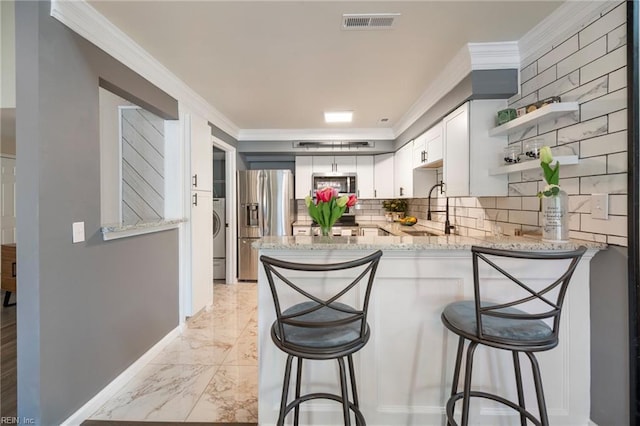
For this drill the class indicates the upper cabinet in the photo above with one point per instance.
(199, 134)
(366, 176)
(403, 177)
(469, 151)
(304, 170)
(334, 164)
(427, 148)
(384, 176)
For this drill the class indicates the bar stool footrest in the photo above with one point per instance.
(454, 398)
(296, 402)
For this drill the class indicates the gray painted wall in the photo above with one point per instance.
(85, 311)
(610, 337)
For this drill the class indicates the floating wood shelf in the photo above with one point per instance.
(547, 112)
(531, 164)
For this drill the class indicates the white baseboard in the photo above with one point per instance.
(112, 388)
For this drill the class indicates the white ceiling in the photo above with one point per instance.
(279, 65)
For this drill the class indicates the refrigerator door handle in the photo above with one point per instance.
(261, 209)
(266, 205)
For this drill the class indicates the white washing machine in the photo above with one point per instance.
(219, 238)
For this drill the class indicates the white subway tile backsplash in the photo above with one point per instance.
(531, 203)
(487, 202)
(586, 167)
(617, 163)
(546, 77)
(617, 241)
(524, 100)
(604, 184)
(509, 203)
(558, 53)
(618, 204)
(583, 130)
(571, 186)
(560, 86)
(617, 38)
(528, 72)
(605, 24)
(580, 204)
(558, 123)
(515, 177)
(588, 91)
(533, 175)
(523, 134)
(615, 225)
(618, 121)
(604, 65)
(497, 215)
(523, 217)
(587, 237)
(574, 221)
(583, 56)
(603, 105)
(605, 144)
(618, 79)
(523, 189)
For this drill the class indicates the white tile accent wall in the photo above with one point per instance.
(589, 67)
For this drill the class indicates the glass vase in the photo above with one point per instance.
(326, 231)
(555, 218)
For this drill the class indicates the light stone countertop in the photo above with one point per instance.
(444, 242)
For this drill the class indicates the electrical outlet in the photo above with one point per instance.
(600, 206)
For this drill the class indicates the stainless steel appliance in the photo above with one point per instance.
(345, 183)
(266, 207)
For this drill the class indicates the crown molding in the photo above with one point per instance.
(315, 134)
(566, 20)
(493, 56)
(87, 22)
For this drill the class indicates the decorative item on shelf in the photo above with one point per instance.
(328, 208)
(506, 115)
(521, 111)
(395, 209)
(532, 149)
(555, 202)
(511, 154)
(537, 105)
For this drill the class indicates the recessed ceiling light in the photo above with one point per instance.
(338, 117)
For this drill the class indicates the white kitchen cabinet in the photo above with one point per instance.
(304, 170)
(334, 164)
(201, 251)
(419, 148)
(201, 153)
(383, 176)
(427, 148)
(403, 177)
(366, 176)
(433, 147)
(469, 151)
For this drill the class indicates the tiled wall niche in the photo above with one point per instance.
(588, 67)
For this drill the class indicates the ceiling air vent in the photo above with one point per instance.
(333, 145)
(368, 21)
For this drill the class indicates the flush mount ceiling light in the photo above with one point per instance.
(338, 117)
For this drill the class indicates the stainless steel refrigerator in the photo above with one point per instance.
(266, 207)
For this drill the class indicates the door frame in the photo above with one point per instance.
(231, 258)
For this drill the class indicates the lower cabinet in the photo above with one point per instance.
(201, 250)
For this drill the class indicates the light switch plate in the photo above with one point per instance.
(600, 206)
(78, 232)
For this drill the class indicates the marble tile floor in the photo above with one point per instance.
(207, 374)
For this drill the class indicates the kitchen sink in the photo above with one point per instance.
(417, 233)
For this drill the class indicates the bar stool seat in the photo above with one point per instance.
(321, 327)
(507, 324)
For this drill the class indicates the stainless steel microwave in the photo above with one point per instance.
(345, 183)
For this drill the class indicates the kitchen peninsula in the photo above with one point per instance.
(404, 373)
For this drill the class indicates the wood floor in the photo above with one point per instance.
(8, 357)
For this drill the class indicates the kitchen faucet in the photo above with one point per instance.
(447, 225)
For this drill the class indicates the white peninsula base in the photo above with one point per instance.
(404, 373)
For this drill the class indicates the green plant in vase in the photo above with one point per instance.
(554, 201)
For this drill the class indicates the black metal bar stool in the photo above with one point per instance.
(321, 328)
(504, 325)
